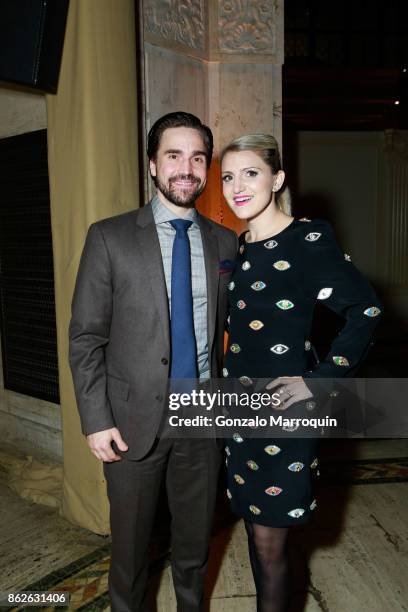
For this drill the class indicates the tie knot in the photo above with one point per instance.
(181, 225)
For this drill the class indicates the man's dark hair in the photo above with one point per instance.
(178, 119)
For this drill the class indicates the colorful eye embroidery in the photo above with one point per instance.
(256, 325)
(272, 449)
(297, 466)
(324, 293)
(279, 349)
(254, 509)
(281, 265)
(241, 304)
(258, 286)
(296, 513)
(271, 244)
(252, 465)
(310, 405)
(273, 491)
(235, 348)
(373, 311)
(246, 265)
(239, 479)
(313, 236)
(245, 380)
(237, 438)
(285, 304)
(290, 428)
(341, 361)
(231, 285)
(224, 372)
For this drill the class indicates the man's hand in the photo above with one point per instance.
(291, 389)
(100, 444)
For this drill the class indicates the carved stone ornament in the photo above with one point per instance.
(181, 21)
(246, 26)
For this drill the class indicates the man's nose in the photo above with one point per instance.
(186, 166)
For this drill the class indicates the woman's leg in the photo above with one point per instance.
(268, 554)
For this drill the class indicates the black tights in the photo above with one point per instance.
(269, 561)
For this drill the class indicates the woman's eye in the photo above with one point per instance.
(252, 173)
(226, 178)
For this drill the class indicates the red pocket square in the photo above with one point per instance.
(226, 266)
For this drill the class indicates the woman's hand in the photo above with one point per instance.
(290, 389)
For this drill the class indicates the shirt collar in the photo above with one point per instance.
(162, 214)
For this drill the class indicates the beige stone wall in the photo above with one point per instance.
(21, 112)
(221, 60)
(28, 424)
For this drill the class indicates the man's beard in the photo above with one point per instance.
(184, 198)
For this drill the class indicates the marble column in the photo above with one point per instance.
(221, 60)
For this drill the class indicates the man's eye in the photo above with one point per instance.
(172, 156)
(199, 160)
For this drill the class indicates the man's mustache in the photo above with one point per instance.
(184, 177)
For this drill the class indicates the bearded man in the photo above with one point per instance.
(149, 306)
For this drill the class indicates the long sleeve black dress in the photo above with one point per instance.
(272, 295)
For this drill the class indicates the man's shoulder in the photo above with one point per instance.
(219, 228)
(119, 222)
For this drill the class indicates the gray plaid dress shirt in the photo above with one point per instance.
(162, 217)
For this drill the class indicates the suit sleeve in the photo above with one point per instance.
(89, 333)
(331, 278)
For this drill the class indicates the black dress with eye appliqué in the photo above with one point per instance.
(272, 294)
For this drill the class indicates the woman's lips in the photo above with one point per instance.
(242, 200)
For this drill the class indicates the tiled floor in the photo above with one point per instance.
(353, 557)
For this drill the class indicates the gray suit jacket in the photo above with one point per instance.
(119, 331)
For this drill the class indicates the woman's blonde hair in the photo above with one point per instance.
(266, 146)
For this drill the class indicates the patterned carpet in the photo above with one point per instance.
(365, 471)
(87, 579)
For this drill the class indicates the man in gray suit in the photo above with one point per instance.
(146, 310)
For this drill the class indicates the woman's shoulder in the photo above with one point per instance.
(314, 230)
(307, 225)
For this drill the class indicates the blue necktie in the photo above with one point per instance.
(183, 342)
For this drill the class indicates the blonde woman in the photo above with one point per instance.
(284, 267)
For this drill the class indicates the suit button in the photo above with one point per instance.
(164, 361)
(159, 398)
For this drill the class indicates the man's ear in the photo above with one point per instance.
(152, 166)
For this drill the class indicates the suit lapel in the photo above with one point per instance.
(153, 264)
(211, 259)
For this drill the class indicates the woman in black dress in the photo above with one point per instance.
(284, 266)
